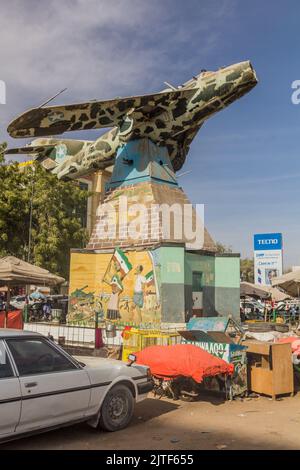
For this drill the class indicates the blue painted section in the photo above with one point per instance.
(208, 324)
(267, 241)
(141, 160)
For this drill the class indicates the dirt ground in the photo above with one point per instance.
(257, 423)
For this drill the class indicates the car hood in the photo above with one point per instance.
(111, 368)
(97, 362)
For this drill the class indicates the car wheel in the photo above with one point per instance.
(117, 408)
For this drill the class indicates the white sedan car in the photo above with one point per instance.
(42, 387)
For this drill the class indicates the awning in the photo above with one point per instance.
(262, 292)
(289, 282)
(15, 272)
(253, 290)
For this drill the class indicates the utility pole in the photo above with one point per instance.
(30, 223)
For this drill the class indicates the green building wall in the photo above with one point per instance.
(220, 279)
(172, 288)
(227, 285)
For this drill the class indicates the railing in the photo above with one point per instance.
(73, 335)
(84, 336)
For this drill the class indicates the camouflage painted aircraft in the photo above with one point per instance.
(170, 118)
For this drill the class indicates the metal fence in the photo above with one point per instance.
(73, 335)
(84, 336)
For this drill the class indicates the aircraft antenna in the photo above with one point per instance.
(52, 97)
(184, 173)
(170, 86)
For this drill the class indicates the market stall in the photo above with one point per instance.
(16, 272)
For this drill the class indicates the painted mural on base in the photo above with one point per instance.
(120, 287)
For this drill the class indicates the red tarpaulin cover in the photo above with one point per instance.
(14, 319)
(182, 359)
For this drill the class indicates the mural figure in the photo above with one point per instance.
(138, 295)
(117, 269)
(113, 304)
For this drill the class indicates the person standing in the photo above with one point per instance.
(47, 310)
(113, 312)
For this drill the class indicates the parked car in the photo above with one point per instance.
(42, 387)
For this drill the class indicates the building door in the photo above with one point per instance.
(197, 293)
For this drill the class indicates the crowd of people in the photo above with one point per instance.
(270, 310)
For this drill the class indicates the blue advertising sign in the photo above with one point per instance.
(267, 241)
(267, 257)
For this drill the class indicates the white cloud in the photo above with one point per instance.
(101, 48)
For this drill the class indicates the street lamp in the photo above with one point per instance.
(30, 221)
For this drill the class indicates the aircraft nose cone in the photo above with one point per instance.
(240, 75)
(248, 74)
(235, 81)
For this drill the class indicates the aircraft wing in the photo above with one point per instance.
(53, 120)
(41, 153)
(40, 150)
(51, 152)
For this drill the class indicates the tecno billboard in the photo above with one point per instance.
(267, 257)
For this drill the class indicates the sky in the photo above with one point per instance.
(244, 164)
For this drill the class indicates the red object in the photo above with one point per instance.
(14, 319)
(182, 360)
(127, 328)
(98, 338)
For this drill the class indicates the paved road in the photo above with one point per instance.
(206, 424)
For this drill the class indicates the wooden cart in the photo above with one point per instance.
(270, 368)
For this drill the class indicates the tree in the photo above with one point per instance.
(246, 265)
(40, 216)
(247, 270)
(223, 248)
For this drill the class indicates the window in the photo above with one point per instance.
(36, 356)
(197, 281)
(5, 366)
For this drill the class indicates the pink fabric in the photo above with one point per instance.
(295, 343)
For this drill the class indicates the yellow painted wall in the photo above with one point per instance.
(89, 294)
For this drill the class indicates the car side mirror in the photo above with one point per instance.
(131, 359)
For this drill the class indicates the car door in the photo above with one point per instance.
(54, 389)
(10, 394)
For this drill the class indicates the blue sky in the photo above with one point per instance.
(245, 161)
